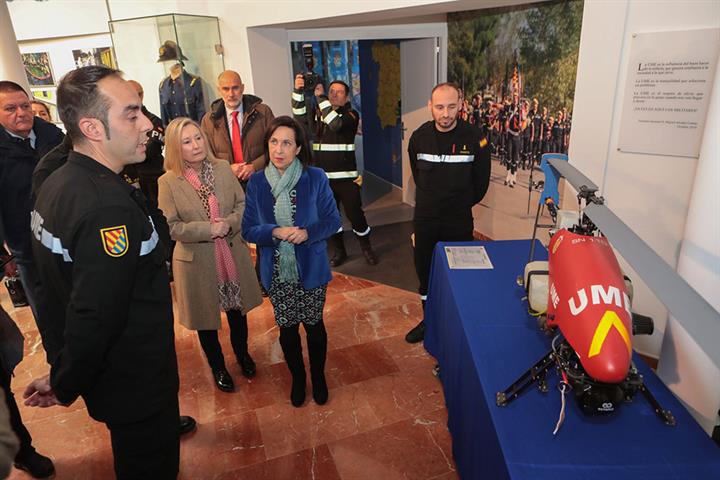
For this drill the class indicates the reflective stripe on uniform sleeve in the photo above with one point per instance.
(339, 175)
(147, 246)
(299, 111)
(330, 117)
(47, 239)
(324, 104)
(298, 97)
(446, 158)
(334, 147)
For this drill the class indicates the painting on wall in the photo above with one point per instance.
(94, 56)
(38, 69)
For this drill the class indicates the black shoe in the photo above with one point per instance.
(338, 258)
(297, 393)
(38, 466)
(320, 389)
(223, 380)
(416, 334)
(187, 424)
(247, 365)
(370, 257)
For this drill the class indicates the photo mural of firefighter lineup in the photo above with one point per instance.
(517, 70)
(515, 67)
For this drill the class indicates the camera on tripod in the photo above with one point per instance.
(311, 78)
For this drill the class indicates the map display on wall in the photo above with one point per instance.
(37, 69)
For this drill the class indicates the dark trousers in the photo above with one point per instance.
(148, 449)
(347, 194)
(30, 279)
(515, 147)
(536, 151)
(430, 231)
(238, 339)
(15, 419)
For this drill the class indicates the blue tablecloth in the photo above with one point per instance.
(479, 331)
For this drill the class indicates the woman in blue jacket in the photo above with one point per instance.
(289, 213)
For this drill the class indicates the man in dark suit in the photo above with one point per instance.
(24, 139)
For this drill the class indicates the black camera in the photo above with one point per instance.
(311, 78)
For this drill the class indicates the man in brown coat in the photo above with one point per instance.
(235, 126)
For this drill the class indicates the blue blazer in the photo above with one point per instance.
(316, 211)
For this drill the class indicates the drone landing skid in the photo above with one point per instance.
(538, 374)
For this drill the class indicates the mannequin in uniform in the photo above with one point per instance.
(181, 93)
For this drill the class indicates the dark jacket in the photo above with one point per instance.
(182, 97)
(57, 157)
(256, 118)
(334, 133)
(103, 272)
(452, 176)
(17, 162)
(316, 212)
(152, 167)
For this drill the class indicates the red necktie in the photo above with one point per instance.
(236, 139)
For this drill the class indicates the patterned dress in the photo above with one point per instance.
(291, 302)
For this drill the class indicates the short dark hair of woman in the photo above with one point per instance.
(78, 96)
(305, 155)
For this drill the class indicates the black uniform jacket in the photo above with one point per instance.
(17, 162)
(152, 167)
(451, 171)
(334, 147)
(103, 271)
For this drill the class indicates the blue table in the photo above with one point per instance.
(479, 331)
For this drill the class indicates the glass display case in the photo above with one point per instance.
(157, 51)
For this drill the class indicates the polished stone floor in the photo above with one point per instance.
(385, 419)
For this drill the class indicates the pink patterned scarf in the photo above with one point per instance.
(228, 286)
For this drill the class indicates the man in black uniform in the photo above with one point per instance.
(335, 125)
(558, 134)
(514, 129)
(102, 268)
(450, 163)
(152, 168)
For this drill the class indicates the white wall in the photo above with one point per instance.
(650, 193)
(684, 366)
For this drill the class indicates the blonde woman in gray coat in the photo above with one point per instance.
(203, 203)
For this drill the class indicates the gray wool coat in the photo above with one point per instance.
(193, 260)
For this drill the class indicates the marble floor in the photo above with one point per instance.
(385, 419)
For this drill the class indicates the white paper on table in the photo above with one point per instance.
(468, 258)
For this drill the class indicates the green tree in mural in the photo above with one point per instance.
(550, 40)
(484, 44)
(466, 46)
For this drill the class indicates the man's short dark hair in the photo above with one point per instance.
(340, 82)
(6, 86)
(78, 96)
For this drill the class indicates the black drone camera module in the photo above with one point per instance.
(311, 78)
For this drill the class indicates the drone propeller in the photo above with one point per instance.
(576, 178)
(697, 316)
